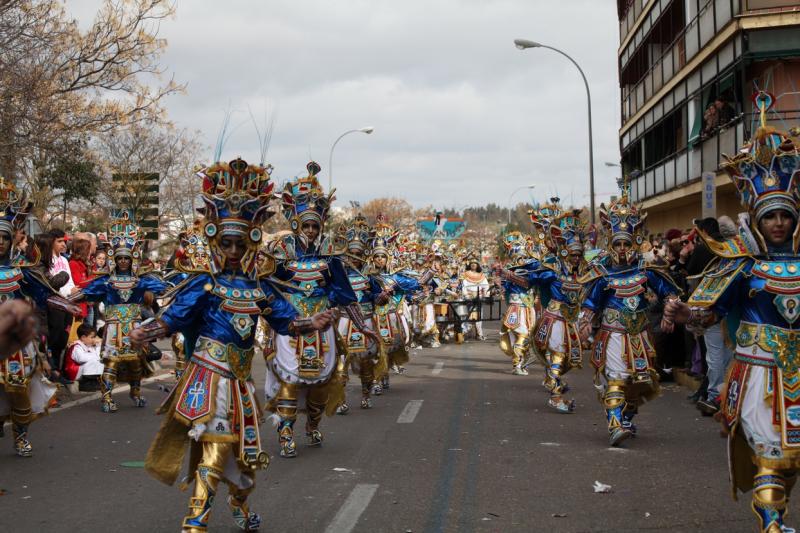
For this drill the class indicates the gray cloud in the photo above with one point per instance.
(461, 117)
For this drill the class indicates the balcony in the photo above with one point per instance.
(715, 15)
(688, 164)
(630, 17)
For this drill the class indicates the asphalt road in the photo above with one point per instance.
(457, 444)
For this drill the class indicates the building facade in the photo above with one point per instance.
(688, 71)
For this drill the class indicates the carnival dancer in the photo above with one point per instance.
(192, 258)
(391, 287)
(363, 350)
(519, 317)
(214, 407)
(755, 286)
(556, 333)
(24, 393)
(125, 294)
(314, 279)
(617, 287)
(474, 286)
(429, 300)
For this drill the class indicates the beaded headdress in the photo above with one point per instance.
(355, 236)
(568, 232)
(236, 197)
(124, 236)
(765, 171)
(383, 237)
(304, 200)
(622, 219)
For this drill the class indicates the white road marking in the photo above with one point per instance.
(437, 368)
(355, 504)
(409, 412)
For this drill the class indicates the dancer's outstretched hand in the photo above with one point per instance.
(17, 327)
(323, 320)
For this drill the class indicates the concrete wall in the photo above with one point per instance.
(679, 212)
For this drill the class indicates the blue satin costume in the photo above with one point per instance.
(123, 296)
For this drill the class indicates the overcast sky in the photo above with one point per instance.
(461, 116)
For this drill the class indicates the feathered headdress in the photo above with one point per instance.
(765, 171)
(303, 199)
(236, 197)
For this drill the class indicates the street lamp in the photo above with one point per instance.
(367, 130)
(512, 196)
(609, 164)
(523, 44)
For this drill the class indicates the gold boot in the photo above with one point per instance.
(769, 499)
(316, 400)
(521, 347)
(245, 519)
(614, 403)
(21, 417)
(206, 481)
(107, 382)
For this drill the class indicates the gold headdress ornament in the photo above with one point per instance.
(124, 237)
(304, 200)
(14, 207)
(765, 171)
(354, 236)
(196, 256)
(236, 197)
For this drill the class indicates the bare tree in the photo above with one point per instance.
(58, 83)
(145, 149)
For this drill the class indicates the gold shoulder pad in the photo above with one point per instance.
(266, 265)
(716, 279)
(729, 248)
(594, 272)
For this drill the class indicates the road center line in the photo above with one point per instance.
(409, 412)
(437, 368)
(355, 504)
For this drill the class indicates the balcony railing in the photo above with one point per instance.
(633, 13)
(700, 30)
(687, 165)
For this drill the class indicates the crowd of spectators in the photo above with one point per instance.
(68, 263)
(707, 354)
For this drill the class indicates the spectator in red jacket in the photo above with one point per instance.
(79, 267)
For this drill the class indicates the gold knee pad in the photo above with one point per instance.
(21, 412)
(520, 348)
(315, 404)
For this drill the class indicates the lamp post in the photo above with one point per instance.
(367, 130)
(512, 196)
(523, 44)
(609, 164)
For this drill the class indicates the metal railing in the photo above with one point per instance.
(697, 33)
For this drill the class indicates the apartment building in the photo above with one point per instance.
(688, 70)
